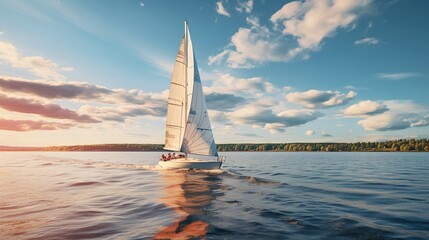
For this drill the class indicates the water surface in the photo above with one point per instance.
(124, 195)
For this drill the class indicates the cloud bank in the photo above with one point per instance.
(363, 108)
(320, 99)
(299, 28)
(275, 122)
(29, 125)
(389, 115)
(23, 105)
(39, 66)
(97, 103)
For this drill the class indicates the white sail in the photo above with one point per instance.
(176, 112)
(191, 134)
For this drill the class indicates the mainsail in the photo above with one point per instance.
(188, 126)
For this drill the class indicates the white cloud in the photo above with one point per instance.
(219, 116)
(38, 65)
(245, 6)
(254, 45)
(262, 117)
(402, 115)
(121, 113)
(367, 41)
(299, 28)
(254, 102)
(320, 99)
(223, 101)
(325, 134)
(421, 122)
(100, 103)
(313, 20)
(221, 10)
(310, 132)
(227, 83)
(406, 106)
(274, 128)
(385, 122)
(78, 91)
(362, 108)
(398, 76)
(287, 88)
(218, 58)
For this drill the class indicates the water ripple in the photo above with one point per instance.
(256, 196)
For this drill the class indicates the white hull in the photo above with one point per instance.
(190, 163)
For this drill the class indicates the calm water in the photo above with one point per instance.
(70, 195)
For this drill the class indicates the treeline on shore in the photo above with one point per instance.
(401, 145)
(109, 147)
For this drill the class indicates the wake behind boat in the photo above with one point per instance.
(188, 128)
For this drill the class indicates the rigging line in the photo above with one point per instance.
(199, 147)
(194, 116)
(201, 117)
(201, 150)
(202, 143)
(191, 134)
(192, 137)
(196, 140)
(204, 117)
(201, 132)
(201, 135)
(195, 132)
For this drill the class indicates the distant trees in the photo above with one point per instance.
(107, 147)
(400, 145)
(403, 145)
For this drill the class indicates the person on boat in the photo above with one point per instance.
(163, 157)
(174, 156)
(181, 155)
(169, 156)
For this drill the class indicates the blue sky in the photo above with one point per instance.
(86, 72)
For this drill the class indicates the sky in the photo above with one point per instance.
(92, 72)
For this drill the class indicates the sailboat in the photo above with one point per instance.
(188, 130)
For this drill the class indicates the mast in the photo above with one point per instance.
(186, 77)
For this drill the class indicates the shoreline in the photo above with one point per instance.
(401, 145)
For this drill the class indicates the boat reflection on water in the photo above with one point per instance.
(189, 193)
